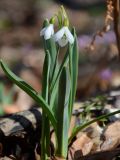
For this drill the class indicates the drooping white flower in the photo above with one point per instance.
(47, 32)
(63, 36)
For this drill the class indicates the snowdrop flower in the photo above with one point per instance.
(63, 36)
(48, 31)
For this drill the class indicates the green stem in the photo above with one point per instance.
(64, 62)
(45, 139)
(47, 133)
(43, 146)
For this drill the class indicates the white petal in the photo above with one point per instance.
(52, 29)
(69, 35)
(42, 32)
(59, 34)
(49, 32)
(63, 41)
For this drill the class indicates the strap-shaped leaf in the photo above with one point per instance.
(79, 128)
(53, 98)
(73, 65)
(50, 45)
(55, 81)
(45, 78)
(45, 139)
(30, 91)
(53, 50)
(64, 63)
(62, 113)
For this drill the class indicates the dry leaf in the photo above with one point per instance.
(104, 155)
(23, 101)
(82, 145)
(11, 108)
(72, 124)
(112, 136)
(37, 156)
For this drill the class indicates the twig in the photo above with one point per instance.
(108, 21)
(116, 6)
(106, 155)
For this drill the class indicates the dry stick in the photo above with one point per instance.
(116, 6)
(106, 27)
(106, 155)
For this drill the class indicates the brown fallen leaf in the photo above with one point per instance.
(111, 136)
(11, 108)
(1, 149)
(104, 155)
(37, 156)
(72, 125)
(94, 132)
(82, 146)
(31, 79)
(11, 157)
(23, 101)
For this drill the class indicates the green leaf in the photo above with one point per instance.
(54, 92)
(60, 19)
(64, 63)
(2, 110)
(9, 97)
(54, 97)
(30, 91)
(2, 93)
(73, 65)
(55, 81)
(62, 113)
(45, 80)
(45, 23)
(79, 128)
(45, 140)
(50, 45)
